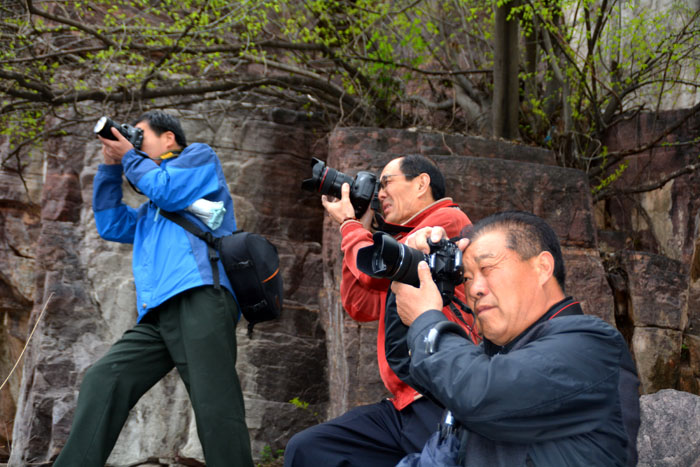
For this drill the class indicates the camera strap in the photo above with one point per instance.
(392, 229)
(459, 312)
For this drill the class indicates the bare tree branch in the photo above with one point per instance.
(609, 193)
(616, 156)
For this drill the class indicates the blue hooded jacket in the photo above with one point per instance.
(167, 260)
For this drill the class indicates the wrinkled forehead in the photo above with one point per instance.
(487, 246)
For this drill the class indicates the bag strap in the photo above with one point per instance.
(207, 237)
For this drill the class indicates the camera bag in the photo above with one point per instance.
(252, 265)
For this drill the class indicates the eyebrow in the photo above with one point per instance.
(484, 256)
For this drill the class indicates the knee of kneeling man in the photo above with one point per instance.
(301, 441)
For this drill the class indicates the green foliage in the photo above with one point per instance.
(598, 63)
(296, 402)
(362, 62)
(607, 181)
(25, 125)
(302, 405)
(268, 456)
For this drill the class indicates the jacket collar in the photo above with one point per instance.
(420, 216)
(565, 307)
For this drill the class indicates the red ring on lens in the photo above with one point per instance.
(325, 172)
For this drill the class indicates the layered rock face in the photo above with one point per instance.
(655, 236)
(315, 354)
(20, 223)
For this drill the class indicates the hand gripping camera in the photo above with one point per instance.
(387, 258)
(327, 181)
(104, 125)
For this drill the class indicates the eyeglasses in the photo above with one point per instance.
(384, 181)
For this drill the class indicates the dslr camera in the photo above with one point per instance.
(387, 258)
(327, 181)
(134, 135)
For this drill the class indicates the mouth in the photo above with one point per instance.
(386, 207)
(482, 308)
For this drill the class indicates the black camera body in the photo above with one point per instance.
(327, 181)
(387, 258)
(104, 126)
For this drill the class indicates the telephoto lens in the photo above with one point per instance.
(327, 181)
(389, 259)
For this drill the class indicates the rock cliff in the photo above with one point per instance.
(646, 281)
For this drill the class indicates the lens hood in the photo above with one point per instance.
(328, 181)
(389, 259)
(103, 128)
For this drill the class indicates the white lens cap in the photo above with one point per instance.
(100, 125)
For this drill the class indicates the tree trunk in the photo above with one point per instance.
(505, 73)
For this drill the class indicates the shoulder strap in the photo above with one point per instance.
(190, 226)
(207, 237)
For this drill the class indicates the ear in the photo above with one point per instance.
(544, 265)
(423, 181)
(170, 141)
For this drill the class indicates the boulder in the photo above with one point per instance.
(670, 428)
(364, 143)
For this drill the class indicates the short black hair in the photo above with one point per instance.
(413, 165)
(160, 122)
(526, 234)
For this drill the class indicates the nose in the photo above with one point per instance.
(477, 288)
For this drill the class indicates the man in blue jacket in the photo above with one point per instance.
(548, 386)
(184, 320)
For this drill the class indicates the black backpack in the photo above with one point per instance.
(252, 265)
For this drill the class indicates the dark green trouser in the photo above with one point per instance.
(193, 331)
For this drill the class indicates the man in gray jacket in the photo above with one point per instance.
(548, 385)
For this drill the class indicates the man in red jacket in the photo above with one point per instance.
(412, 191)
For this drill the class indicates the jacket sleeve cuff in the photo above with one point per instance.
(111, 170)
(349, 225)
(421, 326)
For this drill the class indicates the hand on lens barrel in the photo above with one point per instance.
(419, 239)
(411, 302)
(340, 209)
(113, 151)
